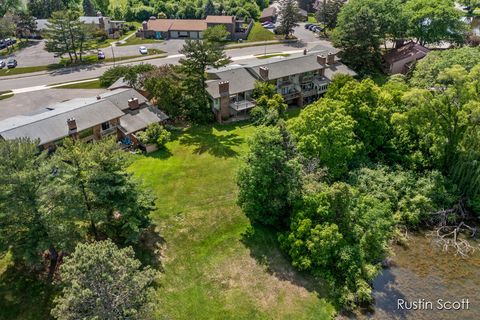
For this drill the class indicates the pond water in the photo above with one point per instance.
(423, 271)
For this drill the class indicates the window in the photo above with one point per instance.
(105, 125)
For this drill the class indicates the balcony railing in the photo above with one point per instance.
(242, 105)
(292, 94)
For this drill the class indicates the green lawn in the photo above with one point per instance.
(215, 266)
(138, 41)
(271, 55)
(259, 33)
(311, 18)
(94, 84)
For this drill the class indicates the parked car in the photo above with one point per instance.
(265, 23)
(2, 64)
(100, 55)
(143, 50)
(11, 63)
(311, 27)
(308, 25)
(270, 26)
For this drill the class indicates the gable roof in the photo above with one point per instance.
(408, 50)
(120, 97)
(219, 19)
(269, 12)
(51, 124)
(131, 123)
(240, 80)
(164, 25)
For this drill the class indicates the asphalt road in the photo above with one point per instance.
(94, 71)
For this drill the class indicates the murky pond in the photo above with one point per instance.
(423, 271)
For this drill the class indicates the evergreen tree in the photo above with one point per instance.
(289, 16)
(199, 54)
(102, 281)
(209, 8)
(88, 8)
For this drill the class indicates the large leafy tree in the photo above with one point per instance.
(435, 21)
(427, 70)
(9, 6)
(371, 108)
(324, 131)
(270, 180)
(341, 236)
(165, 85)
(102, 281)
(359, 36)
(268, 111)
(439, 121)
(289, 16)
(97, 188)
(200, 54)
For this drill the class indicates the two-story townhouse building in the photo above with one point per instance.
(299, 79)
(119, 113)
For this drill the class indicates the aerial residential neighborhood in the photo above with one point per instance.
(240, 159)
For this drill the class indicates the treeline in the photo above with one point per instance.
(361, 165)
(135, 10)
(363, 27)
(57, 209)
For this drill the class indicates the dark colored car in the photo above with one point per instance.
(11, 63)
(308, 25)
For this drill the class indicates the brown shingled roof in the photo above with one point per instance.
(165, 25)
(405, 51)
(219, 19)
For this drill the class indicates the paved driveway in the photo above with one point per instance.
(33, 55)
(25, 103)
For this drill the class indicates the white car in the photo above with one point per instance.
(143, 50)
(2, 64)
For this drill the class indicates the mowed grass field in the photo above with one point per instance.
(214, 264)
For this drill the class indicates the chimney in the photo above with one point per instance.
(72, 124)
(264, 73)
(133, 104)
(321, 59)
(321, 71)
(224, 88)
(144, 25)
(331, 58)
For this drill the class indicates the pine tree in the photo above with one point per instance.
(289, 16)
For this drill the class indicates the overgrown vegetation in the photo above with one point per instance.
(362, 164)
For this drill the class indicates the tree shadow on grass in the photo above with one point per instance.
(163, 153)
(24, 296)
(265, 249)
(205, 141)
(150, 247)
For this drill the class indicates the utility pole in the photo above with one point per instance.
(113, 55)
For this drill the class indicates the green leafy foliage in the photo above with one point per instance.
(427, 70)
(325, 131)
(94, 185)
(102, 281)
(154, 134)
(269, 181)
(340, 235)
(269, 111)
